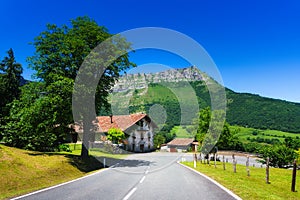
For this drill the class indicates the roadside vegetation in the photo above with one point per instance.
(252, 187)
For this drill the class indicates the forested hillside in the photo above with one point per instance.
(243, 109)
(264, 113)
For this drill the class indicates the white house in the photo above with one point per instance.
(138, 128)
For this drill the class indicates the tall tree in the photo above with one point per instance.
(62, 51)
(10, 79)
(210, 135)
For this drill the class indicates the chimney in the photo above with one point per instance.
(111, 120)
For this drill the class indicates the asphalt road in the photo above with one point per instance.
(140, 176)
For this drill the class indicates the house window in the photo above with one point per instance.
(140, 124)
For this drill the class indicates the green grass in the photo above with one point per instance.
(252, 187)
(244, 133)
(181, 132)
(24, 171)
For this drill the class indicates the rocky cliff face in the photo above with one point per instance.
(142, 80)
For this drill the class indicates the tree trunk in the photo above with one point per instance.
(85, 140)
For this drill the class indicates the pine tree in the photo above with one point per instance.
(10, 79)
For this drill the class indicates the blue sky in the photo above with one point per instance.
(255, 44)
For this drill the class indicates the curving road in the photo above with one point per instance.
(140, 176)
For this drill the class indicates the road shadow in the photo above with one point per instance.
(93, 163)
(88, 164)
(133, 163)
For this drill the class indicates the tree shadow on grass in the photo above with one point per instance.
(93, 163)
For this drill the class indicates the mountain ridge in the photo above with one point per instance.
(244, 109)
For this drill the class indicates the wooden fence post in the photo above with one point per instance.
(247, 166)
(224, 167)
(195, 160)
(267, 171)
(215, 160)
(234, 163)
(294, 176)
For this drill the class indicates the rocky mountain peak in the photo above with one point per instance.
(142, 80)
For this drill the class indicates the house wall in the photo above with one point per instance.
(141, 138)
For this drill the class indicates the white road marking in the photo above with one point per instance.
(129, 194)
(146, 172)
(142, 180)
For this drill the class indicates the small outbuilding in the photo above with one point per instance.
(180, 144)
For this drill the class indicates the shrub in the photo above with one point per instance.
(64, 147)
(279, 155)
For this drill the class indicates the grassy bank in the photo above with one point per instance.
(25, 171)
(253, 187)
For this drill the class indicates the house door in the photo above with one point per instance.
(142, 147)
(133, 147)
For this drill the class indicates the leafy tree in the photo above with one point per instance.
(158, 140)
(227, 139)
(207, 133)
(39, 119)
(292, 143)
(115, 135)
(62, 51)
(279, 155)
(203, 121)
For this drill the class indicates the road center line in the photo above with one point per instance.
(142, 180)
(129, 194)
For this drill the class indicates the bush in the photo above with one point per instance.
(254, 132)
(279, 155)
(64, 147)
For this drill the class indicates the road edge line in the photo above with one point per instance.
(59, 185)
(213, 181)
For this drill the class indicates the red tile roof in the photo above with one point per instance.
(122, 122)
(181, 141)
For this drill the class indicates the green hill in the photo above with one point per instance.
(243, 109)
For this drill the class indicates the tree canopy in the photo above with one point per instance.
(62, 51)
(115, 135)
(208, 129)
(42, 116)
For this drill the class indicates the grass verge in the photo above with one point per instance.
(254, 186)
(24, 171)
